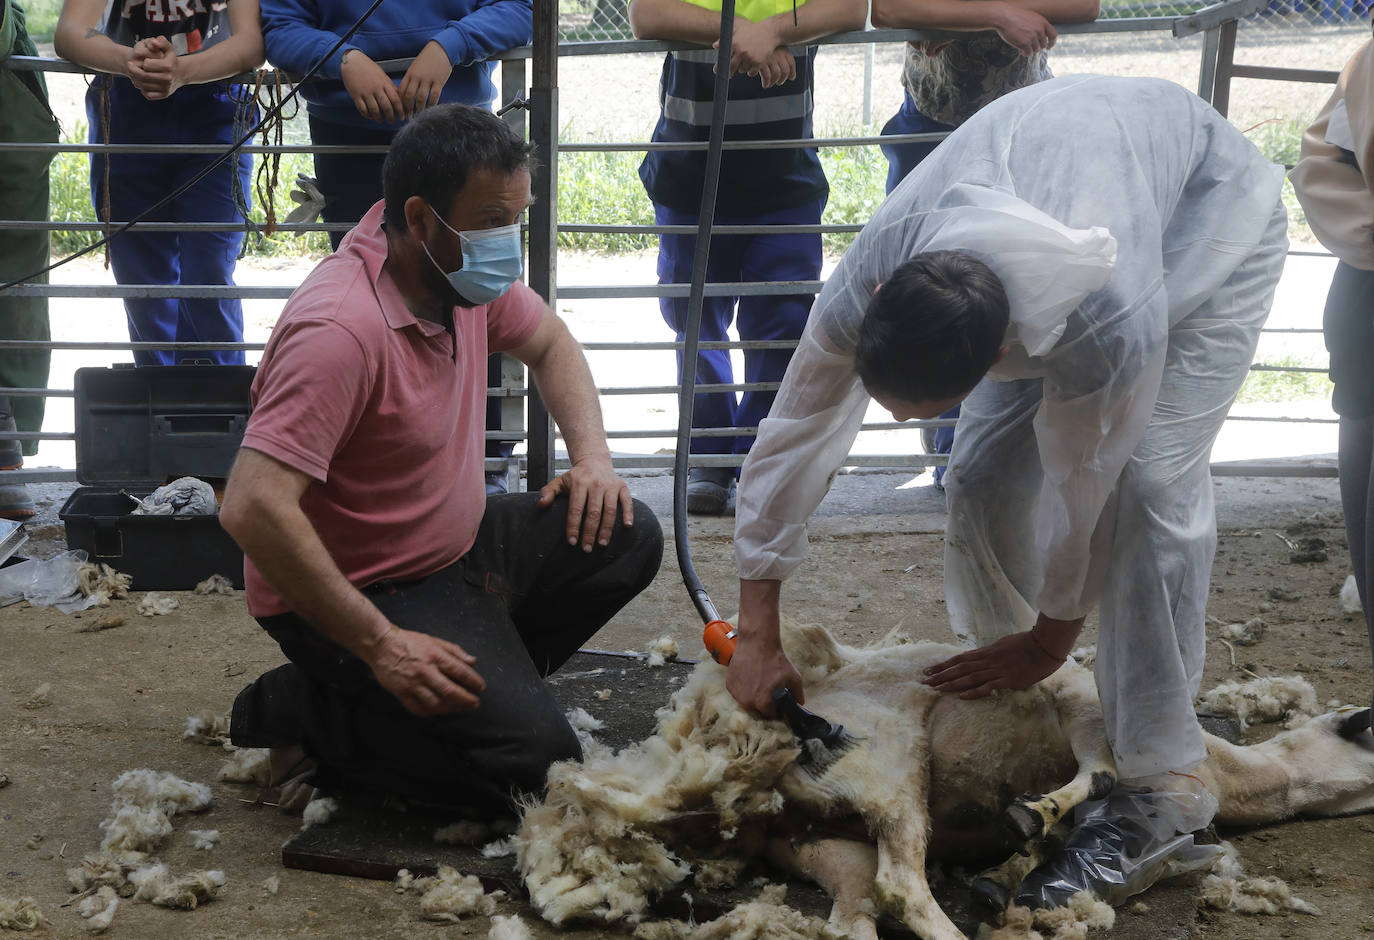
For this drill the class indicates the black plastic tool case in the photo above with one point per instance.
(136, 429)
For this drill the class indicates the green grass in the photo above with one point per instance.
(1267, 386)
(40, 18)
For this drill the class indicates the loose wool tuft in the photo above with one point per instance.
(1229, 888)
(21, 914)
(1259, 700)
(587, 852)
(319, 811)
(509, 928)
(662, 651)
(158, 886)
(449, 896)
(207, 728)
(767, 917)
(205, 839)
(247, 765)
(144, 803)
(102, 582)
(1350, 596)
(153, 604)
(99, 909)
(215, 584)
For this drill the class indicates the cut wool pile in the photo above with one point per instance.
(1229, 888)
(154, 604)
(21, 914)
(449, 896)
(319, 811)
(145, 801)
(1259, 700)
(1084, 912)
(586, 851)
(767, 917)
(100, 582)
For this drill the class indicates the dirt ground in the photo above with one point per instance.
(120, 697)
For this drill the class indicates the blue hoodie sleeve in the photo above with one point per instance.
(293, 41)
(493, 26)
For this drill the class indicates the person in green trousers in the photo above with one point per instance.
(24, 116)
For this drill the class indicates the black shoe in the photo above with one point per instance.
(710, 490)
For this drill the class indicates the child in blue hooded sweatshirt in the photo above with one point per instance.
(451, 41)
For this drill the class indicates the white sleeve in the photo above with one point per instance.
(800, 446)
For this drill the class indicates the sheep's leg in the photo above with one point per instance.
(901, 887)
(1032, 817)
(997, 886)
(845, 869)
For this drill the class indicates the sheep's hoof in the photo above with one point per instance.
(1024, 822)
(990, 894)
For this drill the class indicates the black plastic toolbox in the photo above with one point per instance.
(136, 429)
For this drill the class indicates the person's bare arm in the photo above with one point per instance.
(262, 511)
(975, 14)
(560, 371)
(674, 19)
(1028, 25)
(752, 43)
(78, 38)
(759, 666)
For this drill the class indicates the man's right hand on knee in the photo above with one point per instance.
(427, 675)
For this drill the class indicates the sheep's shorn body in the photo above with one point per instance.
(933, 775)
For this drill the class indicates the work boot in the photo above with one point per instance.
(291, 771)
(15, 501)
(1123, 844)
(496, 483)
(710, 490)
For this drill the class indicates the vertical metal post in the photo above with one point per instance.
(868, 81)
(511, 371)
(1207, 75)
(1226, 60)
(543, 215)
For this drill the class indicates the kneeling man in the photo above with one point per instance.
(420, 617)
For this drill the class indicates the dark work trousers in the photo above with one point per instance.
(1348, 326)
(195, 114)
(765, 257)
(901, 160)
(521, 601)
(351, 184)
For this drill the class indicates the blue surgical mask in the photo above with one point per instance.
(492, 261)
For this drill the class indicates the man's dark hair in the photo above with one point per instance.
(933, 329)
(435, 152)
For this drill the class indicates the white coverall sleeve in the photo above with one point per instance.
(799, 448)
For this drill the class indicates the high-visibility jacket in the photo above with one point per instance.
(750, 180)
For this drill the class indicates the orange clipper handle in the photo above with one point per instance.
(719, 638)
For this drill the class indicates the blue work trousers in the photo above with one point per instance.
(195, 114)
(901, 160)
(740, 258)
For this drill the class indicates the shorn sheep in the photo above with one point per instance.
(934, 775)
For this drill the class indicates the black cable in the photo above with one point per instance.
(228, 154)
(692, 329)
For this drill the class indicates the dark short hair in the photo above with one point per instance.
(433, 154)
(933, 329)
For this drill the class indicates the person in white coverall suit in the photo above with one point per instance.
(1138, 238)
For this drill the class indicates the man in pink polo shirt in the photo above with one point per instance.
(420, 617)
